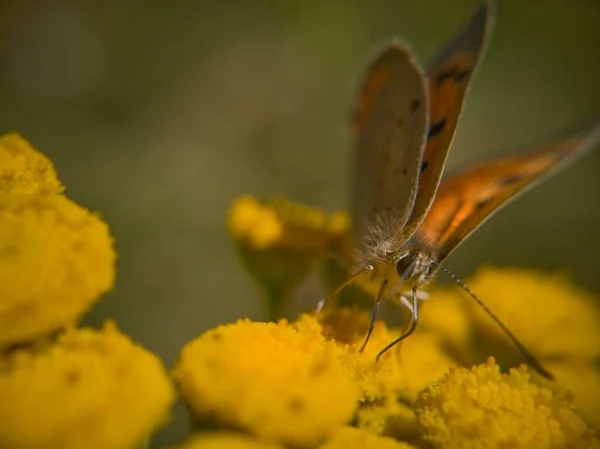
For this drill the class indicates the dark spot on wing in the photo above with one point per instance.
(504, 182)
(446, 75)
(454, 74)
(415, 105)
(482, 203)
(400, 170)
(460, 76)
(424, 166)
(400, 123)
(436, 128)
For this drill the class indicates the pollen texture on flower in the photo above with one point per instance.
(377, 379)
(24, 170)
(268, 379)
(482, 408)
(92, 389)
(56, 259)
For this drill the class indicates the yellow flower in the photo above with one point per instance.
(352, 438)
(268, 379)
(581, 381)
(283, 225)
(24, 170)
(552, 317)
(91, 389)
(445, 315)
(56, 259)
(558, 321)
(399, 374)
(422, 361)
(403, 370)
(389, 417)
(347, 328)
(481, 408)
(226, 440)
(279, 242)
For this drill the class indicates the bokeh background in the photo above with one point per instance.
(158, 114)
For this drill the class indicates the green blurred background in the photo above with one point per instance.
(159, 114)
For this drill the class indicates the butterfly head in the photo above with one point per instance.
(415, 266)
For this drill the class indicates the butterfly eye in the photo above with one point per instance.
(405, 266)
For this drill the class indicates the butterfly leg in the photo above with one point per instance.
(402, 299)
(374, 313)
(421, 294)
(413, 324)
(320, 305)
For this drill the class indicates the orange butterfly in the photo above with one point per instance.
(404, 226)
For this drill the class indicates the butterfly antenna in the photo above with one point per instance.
(527, 355)
(351, 280)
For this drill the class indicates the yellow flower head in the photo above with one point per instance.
(405, 369)
(352, 438)
(376, 380)
(268, 379)
(56, 259)
(482, 408)
(283, 225)
(400, 373)
(388, 417)
(226, 440)
(91, 389)
(581, 381)
(23, 170)
(279, 242)
(552, 317)
(423, 361)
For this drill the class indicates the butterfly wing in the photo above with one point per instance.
(390, 122)
(448, 77)
(465, 201)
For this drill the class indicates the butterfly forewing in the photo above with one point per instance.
(390, 123)
(448, 77)
(466, 200)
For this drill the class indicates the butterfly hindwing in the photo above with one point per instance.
(466, 200)
(390, 123)
(448, 77)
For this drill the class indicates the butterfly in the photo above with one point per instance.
(406, 220)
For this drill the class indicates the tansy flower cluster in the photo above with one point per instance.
(62, 386)
(287, 384)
